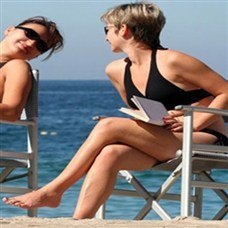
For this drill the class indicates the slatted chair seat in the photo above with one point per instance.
(199, 164)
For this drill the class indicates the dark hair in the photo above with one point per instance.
(55, 39)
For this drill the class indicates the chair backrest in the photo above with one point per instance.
(31, 108)
(226, 129)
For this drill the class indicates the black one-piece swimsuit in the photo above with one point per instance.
(160, 89)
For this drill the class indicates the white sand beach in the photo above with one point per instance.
(19, 222)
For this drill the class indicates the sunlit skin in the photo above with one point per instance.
(15, 75)
(127, 144)
(17, 46)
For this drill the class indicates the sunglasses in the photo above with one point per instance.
(106, 30)
(33, 35)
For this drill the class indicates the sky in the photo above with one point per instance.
(197, 28)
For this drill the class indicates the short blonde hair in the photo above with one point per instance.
(145, 20)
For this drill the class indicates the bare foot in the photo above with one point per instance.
(35, 199)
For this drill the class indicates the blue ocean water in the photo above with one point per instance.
(66, 109)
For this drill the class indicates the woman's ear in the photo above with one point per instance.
(125, 31)
(8, 30)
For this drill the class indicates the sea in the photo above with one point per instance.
(66, 111)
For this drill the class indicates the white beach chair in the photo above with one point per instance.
(194, 160)
(10, 161)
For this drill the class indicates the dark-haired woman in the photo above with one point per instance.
(29, 39)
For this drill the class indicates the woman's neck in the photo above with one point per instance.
(4, 57)
(138, 55)
(137, 52)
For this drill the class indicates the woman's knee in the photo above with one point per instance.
(109, 127)
(109, 157)
(105, 123)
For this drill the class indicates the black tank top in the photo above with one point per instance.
(160, 89)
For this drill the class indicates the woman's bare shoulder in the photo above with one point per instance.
(17, 63)
(178, 59)
(17, 67)
(181, 63)
(173, 56)
(18, 73)
(116, 67)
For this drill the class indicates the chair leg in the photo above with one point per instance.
(32, 148)
(101, 212)
(32, 212)
(222, 213)
(151, 201)
(32, 172)
(5, 173)
(198, 193)
(186, 165)
(221, 194)
(152, 204)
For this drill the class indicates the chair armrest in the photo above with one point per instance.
(98, 118)
(25, 122)
(189, 108)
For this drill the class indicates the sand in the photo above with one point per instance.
(191, 222)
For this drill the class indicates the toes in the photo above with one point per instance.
(8, 200)
(11, 201)
(5, 199)
(17, 204)
(24, 206)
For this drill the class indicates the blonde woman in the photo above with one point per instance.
(150, 71)
(29, 39)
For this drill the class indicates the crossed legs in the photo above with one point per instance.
(101, 178)
(114, 144)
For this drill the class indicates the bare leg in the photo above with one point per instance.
(50, 195)
(101, 177)
(138, 135)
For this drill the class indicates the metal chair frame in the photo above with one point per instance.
(196, 160)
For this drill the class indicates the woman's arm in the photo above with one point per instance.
(16, 89)
(115, 72)
(193, 71)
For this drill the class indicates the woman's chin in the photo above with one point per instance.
(115, 50)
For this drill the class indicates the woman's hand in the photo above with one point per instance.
(174, 121)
